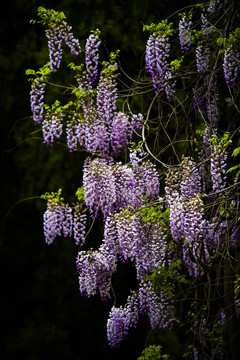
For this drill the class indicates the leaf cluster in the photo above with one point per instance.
(162, 29)
(153, 352)
(42, 73)
(49, 16)
(56, 196)
(166, 277)
(154, 214)
(80, 194)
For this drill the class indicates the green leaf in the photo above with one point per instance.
(233, 168)
(30, 72)
(236, 151)
(176, 64)
(80, 194)
(56, 196)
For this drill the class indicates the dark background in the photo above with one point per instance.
(43, 315)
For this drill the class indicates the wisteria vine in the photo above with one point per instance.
(178, 234)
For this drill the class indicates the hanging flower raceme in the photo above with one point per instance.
(190, 184)
(117, 326)
(129, 235)
(121, 319)
(95, 272)
(37, 97)
(157, 53)
(92, 57)
(95, 268)
(57, 221)
(230, 66)
(199, 99)
(218, 167)
(185, 34)
(56, 33)
(52, 128)
(79, 226)
(206, 26)
(159, 308)
(176, 217)
(72, 134)
(106, 97)
(109, 187)
(69, 39)
(215, 6)
(124, 183)
(99, 127)
(202, 59)
(151, 252)
(99, 187)
(119, 132)
(187, 222)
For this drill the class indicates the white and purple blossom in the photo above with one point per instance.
(56, 34)
(37, 100)
(92, 57)
(230, 66)
(185, 33)
(57, 221)
(202, 59)
(157, 53)
(52, 128)
(218, 168)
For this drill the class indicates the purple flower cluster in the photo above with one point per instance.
(69, 39)
(73, 134)
(215, 5)
(57, 221)
(52, 128)
(218, 168)
(187, 223)
(95, 268)
(37, 96)
(117, 326)
(92, 57)
(106, 98)
(202, 59)
(193, 225)
(109, 187)
(99, 186)
(206, 25)
(136, 156)
(79, 227)
(112, 187)
(129, 231)
(230, 66)
(185, 34)
(103, 129)
(191, 180)
(121, 319)
(159, 308)
(56, 34)
(120, 131)
(157, 53)
(151, 253)
(176, 217)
